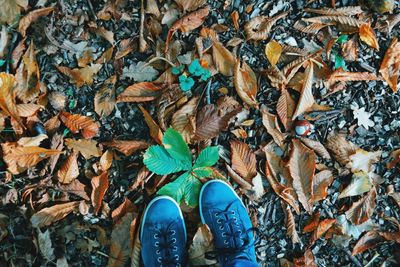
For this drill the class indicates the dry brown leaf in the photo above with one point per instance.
(125, 47)
(127, 147)
(106, 56)
(28, 110)
(187, 23)
(202, 243)
(106, 34)
(32, 141)
(395, 159)
(69, 170)
(223, 59)
(306, 261)
(340, 75)
(87, 148)
(26, 21)
(9, 11)
(302, 166)
(17, 53)
(210, 122)
(152, 8)
(86, 58)
(367, 35)
(20, 158)
(28, 77)
(190, 5)
(120, 241)
(81, 76)
(341, 20)
(270, 122)
(104, 100)
(76, 188)
(77, 122)
(370, 240)
(321, 182)
(285, 109)
(306, 100)
(290, 224)
(47, 216)
(258, 28)
(106, 160)
(7, 96)
(317, 147)
(312, 28)
(340, 148)
(99, 187)
(155, 131)
(390, 66)
(343, 11)
(245, 82)
(350, 49)
(273, 51)
(243, 160)
(183, 120)
(141, 92)
(362, 210)
(313, 223)
(322, 228)
(121, 210)
(235, 19)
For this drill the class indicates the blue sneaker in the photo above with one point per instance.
(163, 234)
(224, 212)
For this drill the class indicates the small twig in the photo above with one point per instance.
(372, 260)
(142, 42)
(91, 9)
(208, 97)
(102, 254)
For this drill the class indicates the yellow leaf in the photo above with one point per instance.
(367, 35)
(273, 51)
(7, 99)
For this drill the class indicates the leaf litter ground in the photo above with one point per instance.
(321, 184)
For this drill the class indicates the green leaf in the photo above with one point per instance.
(177, 147)
(207, 157)
(175, 189)
(203, 172)
(340, 63)
(342, 39)
(192, 191)
(159, 161)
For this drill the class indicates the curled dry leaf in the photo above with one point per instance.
(270, 122)
(343, 11)
(245, 82)
(317, 147)
(322, 228)
(223, 59)
(370, 240)
(121, 210)
(285, 108)
(155, 130)
(76, 188)
(290, 224)
(141, 92)
(120, 241)
(127, 147)
(390, 66)
(187, 23)
(362, 210)
(87, 148)
(306, 100)
(106, 160)
(99, 187)
(32, 141)
(338, 20)
(81, 76)
(367, 35)
(31, 17)
(47, 216)
(183, 120)
(77, 122)
(202, 243)
(340, 148)
(20, 158)
(243, 160)
(362, 160)
(69, 170)
(104, 100)
(360, 183)
(321, 182)
(273, 51)
(258, 28)
(302, 166)
(7, 96)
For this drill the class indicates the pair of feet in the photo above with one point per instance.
(163, 231)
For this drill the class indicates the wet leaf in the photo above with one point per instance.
(77, 122)
(100, 186)
(302, 167)
(362, 210)
(367, 35)
(87, 148)
(245, 82)
(47, 216)
(273, 51)
(127, 147)
(243, 160)
(69, 170)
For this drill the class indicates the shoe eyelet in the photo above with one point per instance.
(173, 232)
(221, 227)
(178, 265)
(175, 248)
(157, 244)
(155, 236)
(174, 240)
(233, 213)
(226, 242)
(224, 234)
(176, 257)
(219, 221)
(158, 251)
(159, 259)
(235, 220)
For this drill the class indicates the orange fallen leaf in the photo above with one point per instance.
(362, 210)
(47, 216)
(155, 130)
(273, 51)
(88, 148)
(141, 92)
(69, 170)
(104, 100)
(258, 28)
(81, 76)
(367, 35)
(26, 21)
(106, 160)
(322, 228)
(302, 166)
(390, 66)
(290, 224)
(285, 108)
(77, 122)
(313, 223)
(270, 122)
(223, 59)
(306, 100)
(121, 210)
(245, 82)
(7, 96)
(235, 19)
(243, 160)
(99, 187)
(321, 182)
(127, 147)
(370, 240)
